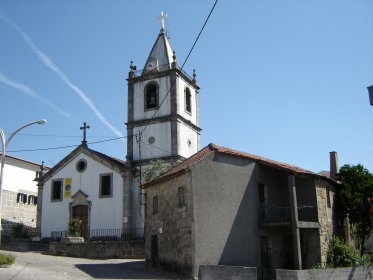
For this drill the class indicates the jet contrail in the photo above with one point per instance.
(30, 92)
(51, 65)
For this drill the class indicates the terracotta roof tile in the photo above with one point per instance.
(184, 165)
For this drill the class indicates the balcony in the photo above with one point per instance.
(281, 215)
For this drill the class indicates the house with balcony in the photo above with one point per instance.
(226, 207)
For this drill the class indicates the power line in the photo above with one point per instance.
(185, 61)
(56, 135)
(69, 146)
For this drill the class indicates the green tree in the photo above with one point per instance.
(157, 168)
(357, 187)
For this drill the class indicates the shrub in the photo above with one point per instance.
(7, 259)
(341, 255)
(74, 228)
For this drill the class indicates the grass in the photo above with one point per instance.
(7, 258)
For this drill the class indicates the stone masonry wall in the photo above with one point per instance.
(346, 273)
(18, 212)
(325, 214)
(213, 272)
(100, 249)
(171, 224)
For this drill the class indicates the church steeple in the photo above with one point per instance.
(161, 55)
(163, 106)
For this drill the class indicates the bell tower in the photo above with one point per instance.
(163, 115)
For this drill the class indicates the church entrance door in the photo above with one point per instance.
(81, 212)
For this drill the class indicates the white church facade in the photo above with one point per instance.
(104, 192)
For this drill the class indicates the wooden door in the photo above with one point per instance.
(81, 212)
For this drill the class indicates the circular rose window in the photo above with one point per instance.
(81, 165)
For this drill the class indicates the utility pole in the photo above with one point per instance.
(138, 140)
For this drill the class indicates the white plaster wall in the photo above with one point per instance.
(186, 133)
(19, 176)
(165, 109)
(162, 145)
(106, 213)
(181, 86)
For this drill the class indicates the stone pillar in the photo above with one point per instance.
(297, 256)
(174, 101)
(39, 207)
(127, 201)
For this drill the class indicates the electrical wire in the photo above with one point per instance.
(55, 135)
(117, 138)
(69, 146)
(182, 66)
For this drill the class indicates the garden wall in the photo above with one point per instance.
(346, 273)
(100, 249)
(222, 272)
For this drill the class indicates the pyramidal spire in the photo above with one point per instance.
(161, 55)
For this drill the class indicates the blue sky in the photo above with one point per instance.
(281, 79)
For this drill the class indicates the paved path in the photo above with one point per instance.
(36, 266)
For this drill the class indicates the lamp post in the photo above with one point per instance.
(4, 145)
(370, 92)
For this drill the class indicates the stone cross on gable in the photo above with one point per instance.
(84, 128)
(161, 18)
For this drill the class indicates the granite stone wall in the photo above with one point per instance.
(100, 249)
(213, 272)
(325, 215)
(171, 225)
(346, 273)
(18, 212)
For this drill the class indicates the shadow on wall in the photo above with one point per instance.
(16, 230)
(239, 249)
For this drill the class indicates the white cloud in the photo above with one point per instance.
(51, 65)
(30, 92)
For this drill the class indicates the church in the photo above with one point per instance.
(103, 192)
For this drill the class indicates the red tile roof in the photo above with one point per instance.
(183, 166)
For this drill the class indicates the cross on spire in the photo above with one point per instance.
(84, 128)
(161, 18)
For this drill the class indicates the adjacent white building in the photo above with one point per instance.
(19, 197)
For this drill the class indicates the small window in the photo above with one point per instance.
(56, 194)
(188, 101)
(155, 204)
(106, 186)
(81, 165)
(151, 96)
(181, 202)
(32, 200)
(21, 198)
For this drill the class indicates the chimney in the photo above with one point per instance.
(333, 165)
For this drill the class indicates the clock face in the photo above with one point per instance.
(152, 64)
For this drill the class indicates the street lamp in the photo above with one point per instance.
(4, 145)
(370, 92)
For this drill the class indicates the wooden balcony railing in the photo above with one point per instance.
(280, 215)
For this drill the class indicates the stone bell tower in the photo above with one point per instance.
(163, 117)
